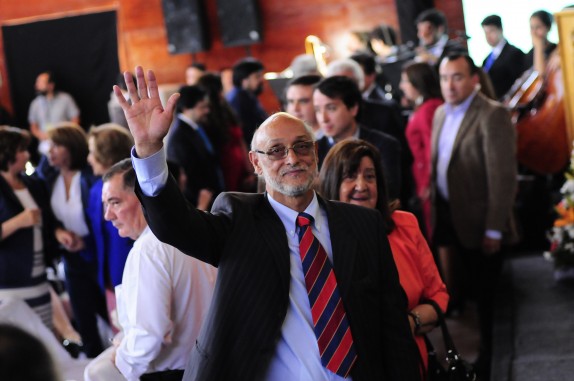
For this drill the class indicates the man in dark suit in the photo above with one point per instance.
(337, 100)
(190, 148)
(247, 85)
(504, 64)
(260, 326)
(472, 188)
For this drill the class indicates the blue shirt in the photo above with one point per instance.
(453, 119)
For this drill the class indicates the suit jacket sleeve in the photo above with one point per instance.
(499, 148)
(176, 222)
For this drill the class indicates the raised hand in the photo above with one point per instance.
(147, 119)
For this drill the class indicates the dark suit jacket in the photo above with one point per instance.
(506, 69)
(17, 250)
(390, 150)
(382, 115)
(186, 148)
(385, 116)
(246, 240)
(482, 171)
(248, 110)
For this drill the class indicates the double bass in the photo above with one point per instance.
(537, 106)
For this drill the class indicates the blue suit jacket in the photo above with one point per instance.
(111, 249)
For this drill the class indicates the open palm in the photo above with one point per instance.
(147, 119)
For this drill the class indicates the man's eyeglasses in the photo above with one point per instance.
(281, 152)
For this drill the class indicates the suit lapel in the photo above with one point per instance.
(195, 140)
(271, 227)
(500, 59)
(437, 128)
(344, 248)
(468, 121)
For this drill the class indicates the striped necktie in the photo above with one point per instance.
(329, 320)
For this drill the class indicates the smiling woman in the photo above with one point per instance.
(352, 173)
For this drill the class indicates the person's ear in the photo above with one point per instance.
(254, 159)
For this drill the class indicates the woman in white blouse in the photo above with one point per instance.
(69, 178)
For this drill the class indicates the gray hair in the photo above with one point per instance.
(347, 65)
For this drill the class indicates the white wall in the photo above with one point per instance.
(515, 16)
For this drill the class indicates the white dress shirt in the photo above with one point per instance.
(161, 303)
(498, 49)
(297, 353)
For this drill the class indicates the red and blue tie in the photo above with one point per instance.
(329, 320)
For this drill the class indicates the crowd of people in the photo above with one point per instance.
(210, 237)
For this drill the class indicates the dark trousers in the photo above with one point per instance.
(166, 375)
(87, 301)
(477, 273)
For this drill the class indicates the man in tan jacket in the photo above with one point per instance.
(473, 184)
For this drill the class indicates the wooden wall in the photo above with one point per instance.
(143, 41)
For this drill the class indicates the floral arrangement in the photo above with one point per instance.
(561, 235)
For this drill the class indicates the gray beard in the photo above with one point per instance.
(291, 190)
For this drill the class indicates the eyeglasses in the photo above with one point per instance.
(281, 152)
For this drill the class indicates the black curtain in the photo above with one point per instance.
(81, 51)
(408, 10)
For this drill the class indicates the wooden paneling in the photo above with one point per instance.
(143, 40)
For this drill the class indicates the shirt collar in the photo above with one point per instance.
(498, 48)
(289, 216)
(461, 108)
(355, 136)
(187, 120)
(440, 43)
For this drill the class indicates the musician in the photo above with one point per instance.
(434, 43)
(540, 25)
(504, 63)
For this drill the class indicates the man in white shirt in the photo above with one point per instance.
(49, 108)
(162, 300)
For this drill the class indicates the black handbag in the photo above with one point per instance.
(457, 368)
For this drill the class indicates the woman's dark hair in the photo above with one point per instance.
(12, 140)
(74, 138)
(23, 357)
(386, 34)
(545, 18)
(220, 117)
(424, 78)
(189, 96)
(342, 161)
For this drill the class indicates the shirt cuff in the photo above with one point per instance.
(131, 371)
(151, 172)
(493, 234)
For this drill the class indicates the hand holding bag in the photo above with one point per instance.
(457, 368)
